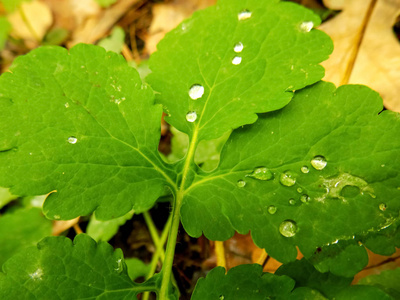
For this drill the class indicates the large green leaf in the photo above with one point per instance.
(60, 269)
(80, 123)
(273, 179)
(21, 228)
(240, 58)
(387, 281)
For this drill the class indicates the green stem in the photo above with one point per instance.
(173, 233)
(28, 24)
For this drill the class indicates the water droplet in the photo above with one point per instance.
(241, 183)
(292, 201)
(221, 297)
(238, 47)
(299, 190)
(306, 26)
(287, 178)
(72, 140)
(319, 162)
(382, 206)
(244, 15)
(56, 217)
(37, 275)
(196, 91)
(288, 228)
(66, 105)
(191, 116)
(271, 209)
(304, 198)
(236, 60)
(261, 173)
(119, 267)
(305, 169)
(382, 166)
(350, 191)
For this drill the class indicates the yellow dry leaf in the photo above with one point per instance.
(366, 49)
(38, 19)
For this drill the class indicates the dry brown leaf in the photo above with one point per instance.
(61, 226)
(39, 18)
(366, 49)
(166, 16)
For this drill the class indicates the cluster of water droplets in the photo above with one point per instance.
(37, 275)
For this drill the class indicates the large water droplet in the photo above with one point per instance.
(196, 91)
(306, 26)
(288, 228)
(319, 162)
(382, 206)
(241, 183)
(244, 15)
(236, 60)
(304, 198)
(304, 169)
(191, 116)
(272, 209)
(72, 140)
(287, 178)
(261, 173)
(238, 48)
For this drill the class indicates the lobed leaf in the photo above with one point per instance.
(83, 125)
(323, 169)
(387, 281)
(228, 62)
(60, 269)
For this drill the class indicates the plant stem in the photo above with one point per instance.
(173, 233)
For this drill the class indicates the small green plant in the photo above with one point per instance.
(306, 166)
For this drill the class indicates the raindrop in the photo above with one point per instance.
(241, 183)
(382, 206)
(319, 162)
(271, 209)
(236, 60)
(288, 228)
(66, 105)
(191, 116)
(304, 198)
(72, 140)
(292, 201)
(238, 47)
(244, 15)
(304, 169)
(221, 297)
(306, 26)
(196, 91)
(261, 173)
(287, 179)
(299, 190)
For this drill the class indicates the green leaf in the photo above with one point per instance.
(105, 230)
(105, 3)
(354, 195)
(136, 268)
(363, 293)
(6, 197)
(241, 58)
(22, 228)
(11, 5)
(60, 269)
(5, 28)
(83, 125)
(306, 293)
(387, 281)
(115, 41)
(242, 282)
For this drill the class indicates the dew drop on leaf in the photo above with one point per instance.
(244, 15)
(196, 91)
(72, 140)
(37, 275)
(288, 228)
(236, 60)
(292, 201)
(56, 217)
(304, 169)
(241, 183)
(306, 26)
(382, 206)
(287, 179)
(221, 297)
(272, 209)
(261, 173)
(238, 47)
(191, 116)
(304, 198)
(299, 190)
(66, 105)
(319, 162)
